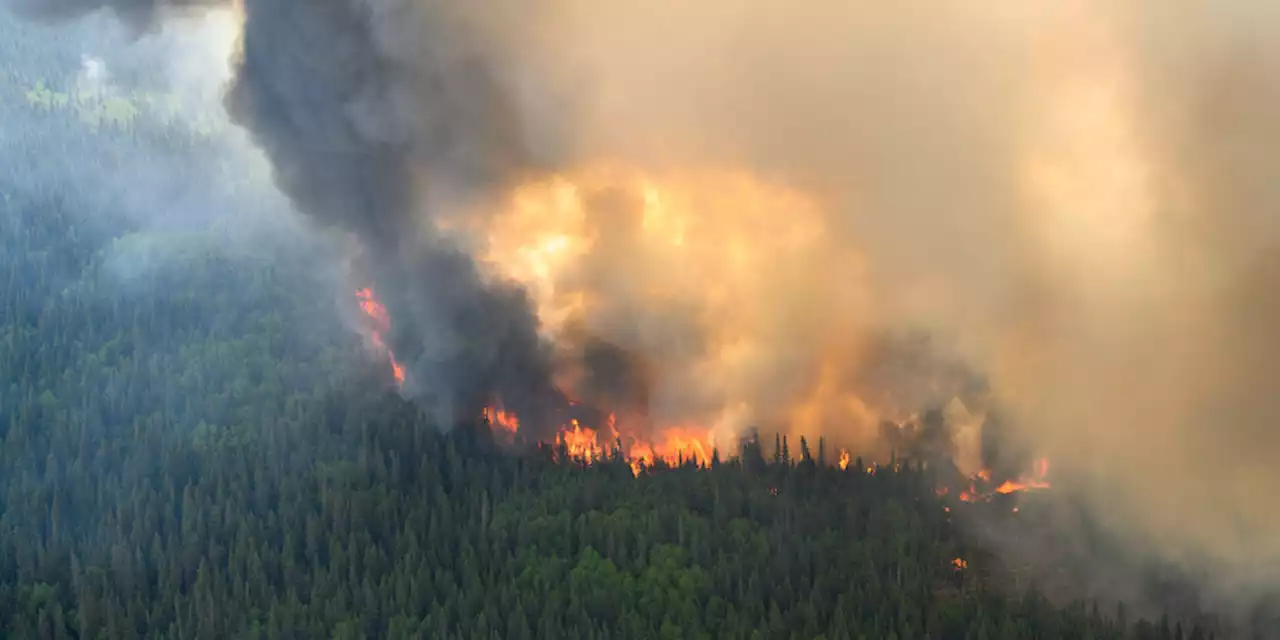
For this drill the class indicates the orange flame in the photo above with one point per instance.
(1035, 480)
(374, 309)
(586, 444)
(1012, 486)
(581, 442)
(502, 419)
(682, 445)
(959, 563)
(672, 445)
(377, 313)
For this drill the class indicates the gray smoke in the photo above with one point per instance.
(141, 16)
(372, 113)
(1080, 197)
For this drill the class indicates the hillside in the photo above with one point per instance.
(194, 444)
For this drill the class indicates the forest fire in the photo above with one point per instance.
(501, 419)
(580, 442)
(980, 488)
(376, 312)
(673, 447)
(696, 276)
(643, 449)
(692, 281)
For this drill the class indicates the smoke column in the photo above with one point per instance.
(366, 110)
(1078, 201)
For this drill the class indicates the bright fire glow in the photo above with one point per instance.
(980, 483)
(717, 280)
(380, 323)
(502, 419)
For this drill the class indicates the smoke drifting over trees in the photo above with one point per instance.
(1078, 200)
(364, 109)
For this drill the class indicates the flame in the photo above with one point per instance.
(505, 420)
(585, 444)
(683, 445)
(959, 563)
(580, 442)
(381, 324)
(980, 481)
(672, 446)
(720, 270)
(716, 279)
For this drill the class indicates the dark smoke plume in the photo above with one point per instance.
(1079, 197)
(358, 104)
(370, 112)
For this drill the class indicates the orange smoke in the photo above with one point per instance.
(744, 307)
(718, 281)
(672, 445)
(740, 304)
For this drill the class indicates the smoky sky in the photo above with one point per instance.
(369, 112)
(362, 110)
(1078, 199)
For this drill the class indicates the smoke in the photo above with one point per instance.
(1077, 200)
(141, 16)
(373, 114)
(1074, 200)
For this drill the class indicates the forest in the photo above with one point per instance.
(194, 445)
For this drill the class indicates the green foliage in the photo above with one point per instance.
(195, 449)
(187, 463)
(110, 107)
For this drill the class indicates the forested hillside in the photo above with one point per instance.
(193, 445)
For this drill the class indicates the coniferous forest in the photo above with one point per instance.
(193, 445)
